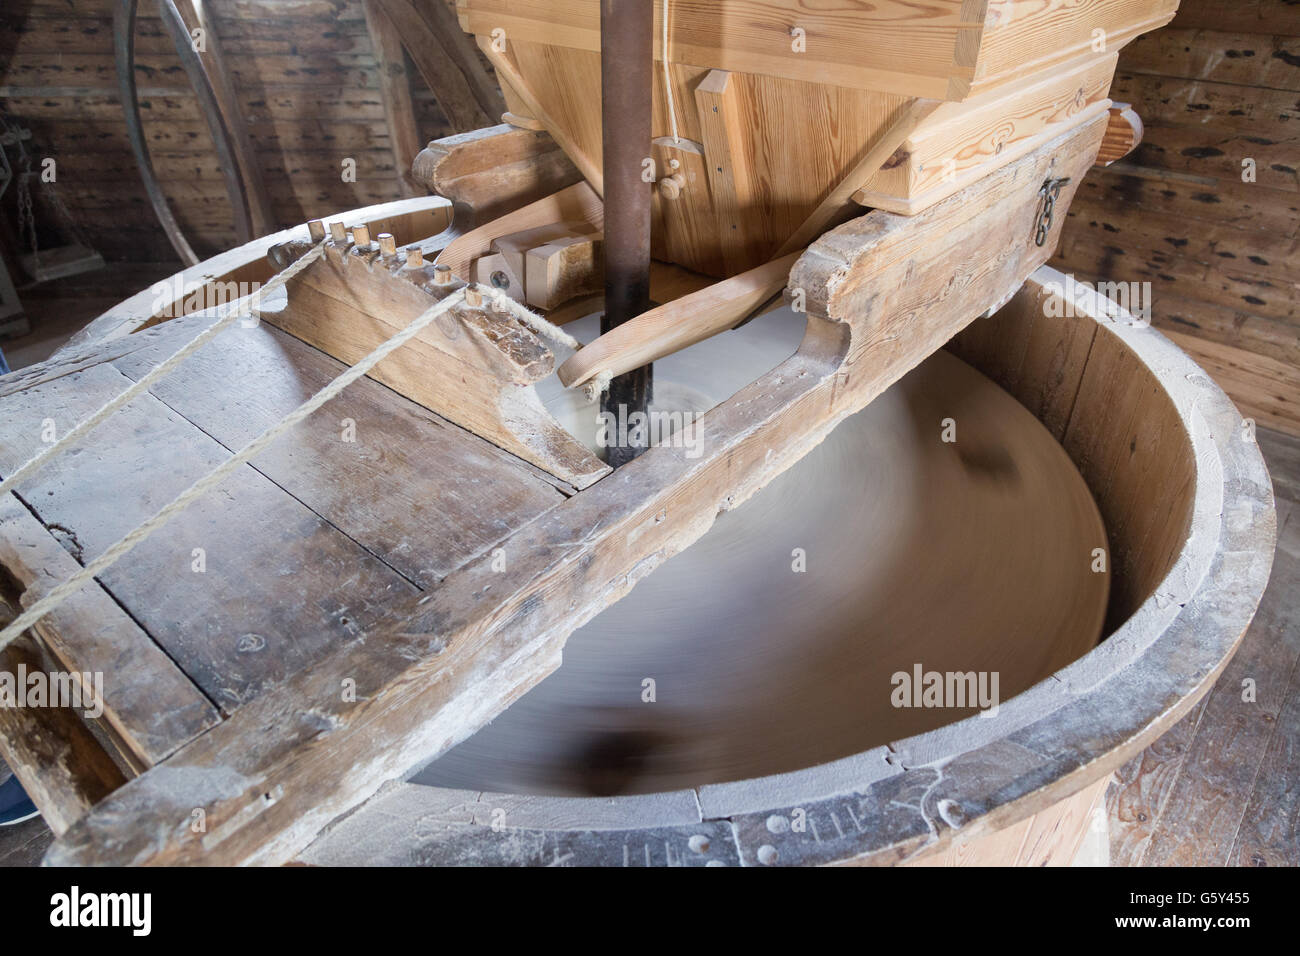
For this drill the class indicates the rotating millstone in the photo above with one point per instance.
(941, 528)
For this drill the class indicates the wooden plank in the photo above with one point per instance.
(462, 493)
(730, 167)
(52, 752)
(1249, 59)
(960, 141)
(1244, 16)
(1210, 243)
(1249, 206)
(672, 327)
(1262, 387)
(1219, 153)
(1269, 834)
(234, 633)
(1142, 789)
(1246, 290)
(150, 706)
(1174, 101)
(395, 87)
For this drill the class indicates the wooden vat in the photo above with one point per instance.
(1188, 506)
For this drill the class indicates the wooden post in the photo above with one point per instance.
(627, 58)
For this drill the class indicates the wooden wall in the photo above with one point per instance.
(1219, 85)
(304, 70)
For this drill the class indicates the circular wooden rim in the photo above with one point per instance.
(973, 777)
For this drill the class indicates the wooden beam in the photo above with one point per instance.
(672, 327)
(461, 50)
(509, 71)
(430, 53)
(731, 174)
(489, 172)
(395, 88)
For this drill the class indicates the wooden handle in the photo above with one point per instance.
(677, 324)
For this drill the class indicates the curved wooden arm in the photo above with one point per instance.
(124, 51)
(677, 324)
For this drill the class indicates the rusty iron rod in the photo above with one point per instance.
(627, 101)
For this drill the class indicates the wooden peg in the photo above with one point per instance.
(338, 232)
(473, 298)
(670, 187)
(361, 236)
(415, 260)
(316, 229)
(442, 275)
(387, 244)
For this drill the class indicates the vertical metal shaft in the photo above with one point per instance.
(627, 101)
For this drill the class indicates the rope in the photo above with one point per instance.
(668, 83)
(548, 330)
(63, 591)
(122, 398)
(599, 385)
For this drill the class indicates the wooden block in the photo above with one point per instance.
(563, 269)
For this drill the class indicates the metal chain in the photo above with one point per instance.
(1051, 192)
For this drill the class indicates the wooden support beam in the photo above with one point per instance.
(461, 51)
(489, 172)
(508, 70)
(434, 57)
(395, 88)
(731, 174)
